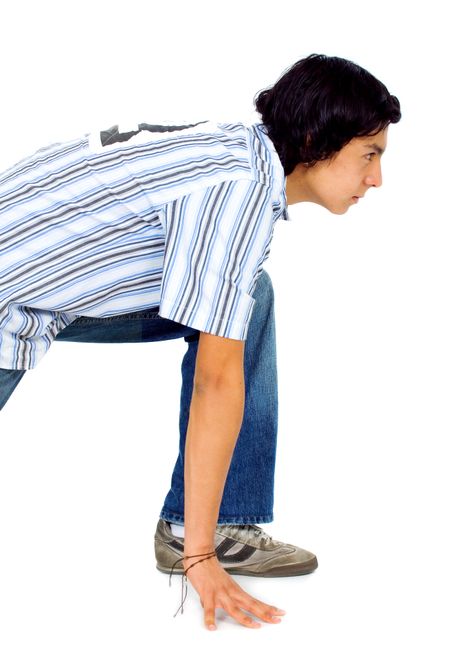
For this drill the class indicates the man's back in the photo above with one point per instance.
(99, 225)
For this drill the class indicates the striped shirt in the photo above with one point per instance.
(175, 217)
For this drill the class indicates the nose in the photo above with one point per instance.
(374, 178)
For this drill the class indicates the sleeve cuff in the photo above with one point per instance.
(201, 319)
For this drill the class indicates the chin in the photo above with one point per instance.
(338, 209)
(335, 208)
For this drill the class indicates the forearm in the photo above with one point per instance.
(215, 420)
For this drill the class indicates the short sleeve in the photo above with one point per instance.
(217, 239)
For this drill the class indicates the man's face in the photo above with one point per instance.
(340, 181)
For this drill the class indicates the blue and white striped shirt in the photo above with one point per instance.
(113, 222)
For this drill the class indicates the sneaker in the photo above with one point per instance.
(246, 550)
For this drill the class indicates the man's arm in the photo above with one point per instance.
(215, 419)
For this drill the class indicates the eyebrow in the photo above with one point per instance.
(375, 147)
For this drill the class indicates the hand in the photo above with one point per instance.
(217, 589)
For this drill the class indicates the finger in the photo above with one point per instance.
(273, 610)
(244, 600)
(240, 595)
(210, 616)
(242, 618)
(261, 610)
(270, 613)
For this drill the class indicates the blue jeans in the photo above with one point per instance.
(248, 492)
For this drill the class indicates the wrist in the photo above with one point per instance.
(193, 549)
(195, 559)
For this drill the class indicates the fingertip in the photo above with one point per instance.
(212, 627)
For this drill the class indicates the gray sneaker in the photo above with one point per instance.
(246, 550)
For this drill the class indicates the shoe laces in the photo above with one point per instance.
(250, 531)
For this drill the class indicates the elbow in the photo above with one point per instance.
(215, 382)
(219, 364)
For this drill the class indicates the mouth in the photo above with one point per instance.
(355, 199)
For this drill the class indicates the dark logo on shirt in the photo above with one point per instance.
(113, 135)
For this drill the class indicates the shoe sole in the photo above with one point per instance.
(274, 572)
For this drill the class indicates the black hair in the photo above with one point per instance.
(319, 105)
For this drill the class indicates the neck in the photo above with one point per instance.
(296, 189)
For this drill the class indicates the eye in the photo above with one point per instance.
(370, 156)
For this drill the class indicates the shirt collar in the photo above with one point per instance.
(278, 170)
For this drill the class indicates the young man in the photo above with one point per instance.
(159, 232)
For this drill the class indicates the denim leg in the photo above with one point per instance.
(248, 492)
(9, 379)
(249, 488)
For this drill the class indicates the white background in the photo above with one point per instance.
(88, 440)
